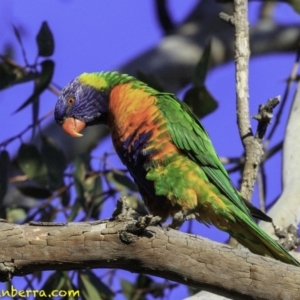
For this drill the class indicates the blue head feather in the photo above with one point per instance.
(89, 105)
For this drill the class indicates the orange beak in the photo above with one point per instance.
(73, 126)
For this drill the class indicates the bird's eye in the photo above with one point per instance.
(70, 100)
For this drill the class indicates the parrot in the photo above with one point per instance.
(168, 153)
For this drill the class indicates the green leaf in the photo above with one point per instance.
(35, 111)
(200, 101)
(4, 166)
(74, 210)
(65, 198)
(43, 81)
(92, 287)
(194, 290)
(7, 75)
(31, 163)
(128, 288)
(8, 50)
(150, 79)
(18, 36)
(56, 281)
(295, 4)
(34, 192)
(143, 285)
(143, 281)
(23, 77)
(15, 215)
(88, 184)
(10, 74)
(45, 40)
(55, 161)
(202, 67)
(121, 181)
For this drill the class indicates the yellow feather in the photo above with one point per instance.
(92, 79)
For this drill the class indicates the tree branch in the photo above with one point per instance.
(170, 254)
(253, 149)
(286, 210)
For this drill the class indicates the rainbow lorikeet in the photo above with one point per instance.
(168, 153)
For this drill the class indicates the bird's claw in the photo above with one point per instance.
(179, 218)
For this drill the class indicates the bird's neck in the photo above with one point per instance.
(129, 108)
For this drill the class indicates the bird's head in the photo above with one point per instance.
(83, 102)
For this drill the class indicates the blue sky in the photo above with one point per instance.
(101, 35)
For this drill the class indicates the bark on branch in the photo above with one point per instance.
(286, 210)
(253, 148)
(170, 254)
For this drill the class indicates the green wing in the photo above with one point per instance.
(189, 135)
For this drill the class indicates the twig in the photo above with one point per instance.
(19, 135)
(274, 150)
(264, 116)
(253, 149)
(227, 18)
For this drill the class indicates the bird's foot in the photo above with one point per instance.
(179, 218)
(288, 238)
(135, 229)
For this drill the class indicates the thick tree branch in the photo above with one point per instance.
(286, 210)
(170, 254)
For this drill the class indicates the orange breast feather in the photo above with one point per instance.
(134, 111)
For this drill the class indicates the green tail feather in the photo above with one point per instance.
(259, 242)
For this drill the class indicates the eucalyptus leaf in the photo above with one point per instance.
(202, 67)
(45, 40)
(43, 80)
(31, 163)
(35, 111)
(200, 101)
(127, 288)
(121, 181)
(56, 281)
(11, 74)
(92, 287)
(295, 5)
(74, 210)
(55, 161)
(4, 167)
(15, 215)
(88, 184)
(17, 35)
(34, 192)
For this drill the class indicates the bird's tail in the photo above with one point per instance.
(259, 242)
